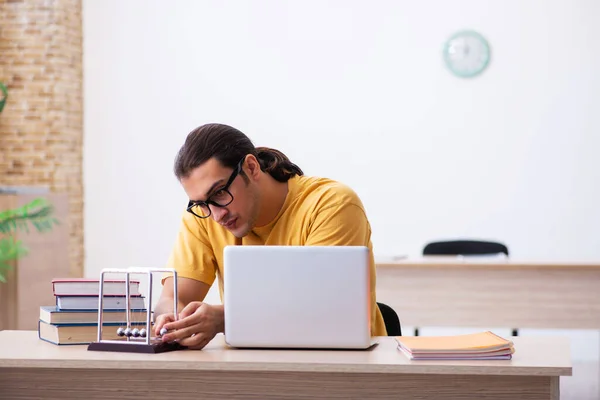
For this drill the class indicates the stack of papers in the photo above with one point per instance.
(476, 346)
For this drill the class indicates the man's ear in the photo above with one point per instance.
(252, 167)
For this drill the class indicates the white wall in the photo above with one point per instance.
(354, 90)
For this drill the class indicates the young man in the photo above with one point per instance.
(242, 195)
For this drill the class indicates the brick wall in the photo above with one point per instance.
(41, 126)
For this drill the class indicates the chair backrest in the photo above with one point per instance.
(391, 320)
(464, 247)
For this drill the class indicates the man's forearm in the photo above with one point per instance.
(165, 306)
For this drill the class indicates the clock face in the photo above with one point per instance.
(467, 54)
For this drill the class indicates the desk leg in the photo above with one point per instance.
(555, 388)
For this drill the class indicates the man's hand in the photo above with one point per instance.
(161, 320)
(197, 325)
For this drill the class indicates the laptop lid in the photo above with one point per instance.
(297, 296)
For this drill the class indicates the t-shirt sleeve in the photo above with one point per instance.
(339, 225)
(192, 255)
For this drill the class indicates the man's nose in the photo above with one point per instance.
(218, 213)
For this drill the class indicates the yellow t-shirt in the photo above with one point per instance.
(316, 212)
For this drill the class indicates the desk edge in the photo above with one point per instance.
(413, 368)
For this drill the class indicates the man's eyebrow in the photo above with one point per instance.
(213, 187)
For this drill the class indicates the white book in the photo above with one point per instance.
(91, 303)
(90, 287)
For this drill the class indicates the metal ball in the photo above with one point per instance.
(142, 332)
(135, 332)
(121, 332)
(163, 331)
(128, 332)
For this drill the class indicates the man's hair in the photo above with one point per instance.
(228, 145)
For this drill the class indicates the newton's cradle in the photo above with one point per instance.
(134, 340)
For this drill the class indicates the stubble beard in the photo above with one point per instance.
(253, 216)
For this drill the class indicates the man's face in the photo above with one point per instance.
(208, 182)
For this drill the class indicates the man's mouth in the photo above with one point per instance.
(230, 224)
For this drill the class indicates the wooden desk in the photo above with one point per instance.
(31, 368)
(492, 293)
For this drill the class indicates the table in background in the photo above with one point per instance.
(442, 291)
(31, 368)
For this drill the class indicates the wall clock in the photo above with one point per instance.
(467, 54)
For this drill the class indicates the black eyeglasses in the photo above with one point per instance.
(220, 198)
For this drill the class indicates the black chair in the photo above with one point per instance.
(391, 320)
(464, 248)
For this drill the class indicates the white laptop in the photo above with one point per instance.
(297, 297)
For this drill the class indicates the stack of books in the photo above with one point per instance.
(476, 346)
(74, 317)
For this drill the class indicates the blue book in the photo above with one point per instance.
(54, 315)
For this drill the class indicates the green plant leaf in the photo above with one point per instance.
(11, 249)
(4, 266)
(38, 212)
(23, 226)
